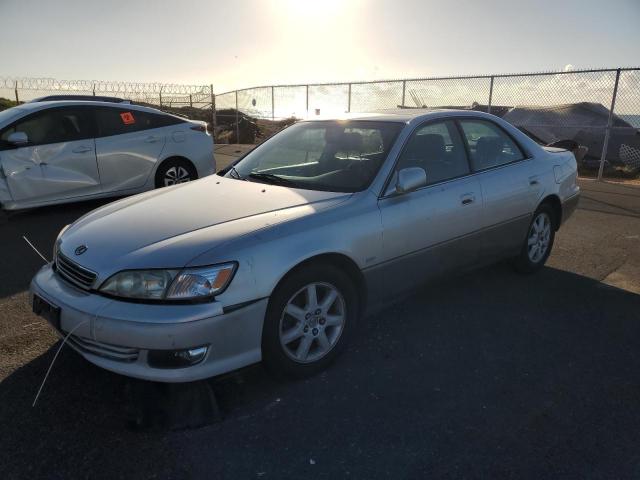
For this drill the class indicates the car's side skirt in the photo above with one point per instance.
(390, 279)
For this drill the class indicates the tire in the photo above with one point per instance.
(300, 338)
(174, 171)
(533, 257)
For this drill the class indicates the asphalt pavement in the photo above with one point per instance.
(488, 375)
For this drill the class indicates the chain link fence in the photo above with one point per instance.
(598, 109)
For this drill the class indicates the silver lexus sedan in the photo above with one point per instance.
(277, 257)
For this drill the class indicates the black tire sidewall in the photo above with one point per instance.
(274, 357)
(174, 162)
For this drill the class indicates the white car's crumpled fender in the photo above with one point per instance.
(5, 195)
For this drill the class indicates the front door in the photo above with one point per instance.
(59, 160)
(433, 229)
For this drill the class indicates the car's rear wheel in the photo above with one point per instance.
(175, 171)
(309, 319)
(539, 241)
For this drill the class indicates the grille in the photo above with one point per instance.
(74, 273)
(112, 352)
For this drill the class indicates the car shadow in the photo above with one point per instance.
(492, 372)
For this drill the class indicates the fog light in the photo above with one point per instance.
(176, 358)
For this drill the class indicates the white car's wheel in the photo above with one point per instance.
(175, 171)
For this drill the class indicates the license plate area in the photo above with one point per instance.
(46, 310)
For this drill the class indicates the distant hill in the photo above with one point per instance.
(6, 103)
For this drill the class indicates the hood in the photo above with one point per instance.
(167, 228)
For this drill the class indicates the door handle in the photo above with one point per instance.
(151, 139)
(467, 199)
(82, 149)
(533, 181)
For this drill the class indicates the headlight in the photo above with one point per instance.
(141, 284)
(189, 284)
(201, 282)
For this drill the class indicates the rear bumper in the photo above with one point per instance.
(569, 206)
(118, 335)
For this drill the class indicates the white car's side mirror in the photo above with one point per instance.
(18, 138)
(410, 179)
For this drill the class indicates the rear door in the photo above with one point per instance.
(508, 188)
(434, 229)
(128, 146)
(59, 160)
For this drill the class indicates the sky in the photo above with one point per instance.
(242, 43)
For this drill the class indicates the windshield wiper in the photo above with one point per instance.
(272, 179)
(237, 176)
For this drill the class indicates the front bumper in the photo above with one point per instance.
(118, 335)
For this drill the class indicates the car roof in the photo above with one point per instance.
(402, 115)
(35, 106)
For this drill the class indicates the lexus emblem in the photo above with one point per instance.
(80, 250)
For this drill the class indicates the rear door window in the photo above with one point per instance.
(489, 145)
(118, 121)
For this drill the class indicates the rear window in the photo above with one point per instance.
(118, 121)
(489, 146)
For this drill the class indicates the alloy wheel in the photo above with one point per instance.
(539, 237)
(176, 175)
(312, 322)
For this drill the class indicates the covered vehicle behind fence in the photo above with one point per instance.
(585, 124)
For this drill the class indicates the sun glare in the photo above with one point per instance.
(312, 12)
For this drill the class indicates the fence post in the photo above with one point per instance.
(93, 89)
(16, 91)
(237, 120)
(490, 95)
(607, 132)
(349, 100)
(213, 111)
(190, 101)
(160, 97)
(273, 108)
(404, 90)
(307, 101)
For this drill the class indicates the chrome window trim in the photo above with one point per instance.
(472, 174)
(455, 118)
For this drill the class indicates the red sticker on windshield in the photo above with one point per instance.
(127, 118)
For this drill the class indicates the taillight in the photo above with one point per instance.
(200, 128)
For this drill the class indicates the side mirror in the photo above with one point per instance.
(18, 138)
(410, 179)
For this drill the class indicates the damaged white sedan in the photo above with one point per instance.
(67, 151)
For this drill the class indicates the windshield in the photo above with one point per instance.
(338, 156)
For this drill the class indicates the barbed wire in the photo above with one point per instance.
(101, 86)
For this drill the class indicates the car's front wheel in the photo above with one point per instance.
(174, 171)
(537, 246)
(309, 320)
